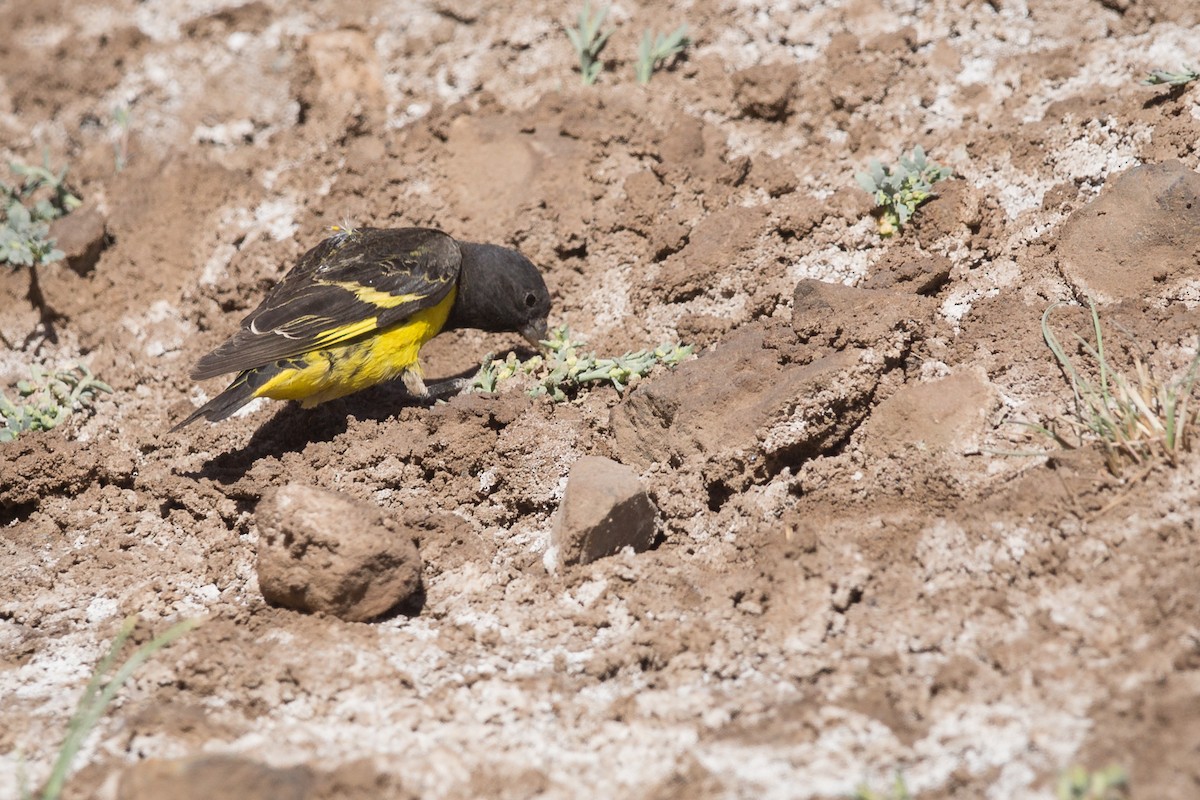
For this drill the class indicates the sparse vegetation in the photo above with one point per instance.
(120, 117)
(567, 367)
(899, 190)
(1134, 417)
(898, 790)
(656, 49)
(47, 399)
(39, 197)
(100, 691)
(1077, 783)
(588, 41)
(1159, 77)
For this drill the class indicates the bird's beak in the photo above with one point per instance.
(535, 332)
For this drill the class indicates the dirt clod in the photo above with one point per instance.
(339, 81)
(322, 551)
(40, 466)
(738, 414)
(832, 315)
(605, 508)
(81, 237)
(207, 777)
(1140, 238)
(765, 91)
(947, 415)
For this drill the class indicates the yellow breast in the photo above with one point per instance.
(340, 370)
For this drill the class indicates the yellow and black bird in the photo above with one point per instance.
(357, 308)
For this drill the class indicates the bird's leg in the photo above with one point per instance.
(414, 384)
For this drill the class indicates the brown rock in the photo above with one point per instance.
(770, 396)
(360, 780)
(213, 778)
(799, 213)
(81, 235)
(463, 11)
(603, 510)
(1140, 238)
(765, 91)
(322, 551)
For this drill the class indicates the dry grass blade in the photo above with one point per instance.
(1133, 416)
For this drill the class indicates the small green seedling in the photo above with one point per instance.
(899, 190)
(25, 239)
(1159, 77)
(100, 691)
(566, 368)
(655, 50)
(1133, 417)
(1077, 783)
(48, 399)
(588, 40)
(39, 197)
(897, 791)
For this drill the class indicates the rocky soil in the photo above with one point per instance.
(845, 577)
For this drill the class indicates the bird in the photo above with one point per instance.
(356, 309)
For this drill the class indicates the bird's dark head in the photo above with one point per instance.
(499, 290)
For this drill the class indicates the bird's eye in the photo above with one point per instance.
(530, 300)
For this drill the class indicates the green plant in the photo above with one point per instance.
(1077, 783)
(588, 41)
(1158, 77)
(566, 367)
(120, 117)
(39, 197)
(48, 399)
(1134, 416)
(897, 791)
(99, 693)
(656, 49)
(899, 190)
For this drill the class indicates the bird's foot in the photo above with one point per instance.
(444, 390)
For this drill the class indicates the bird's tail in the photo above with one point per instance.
(238, 393)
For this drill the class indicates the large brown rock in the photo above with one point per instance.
(322, 551)
(603, 510)
(229, 777)
(1139, 238)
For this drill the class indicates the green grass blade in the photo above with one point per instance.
(78, 728)
(99, 694)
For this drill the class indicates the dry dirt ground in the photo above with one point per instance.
(846, 580)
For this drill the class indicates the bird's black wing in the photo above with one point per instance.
(350, 285)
